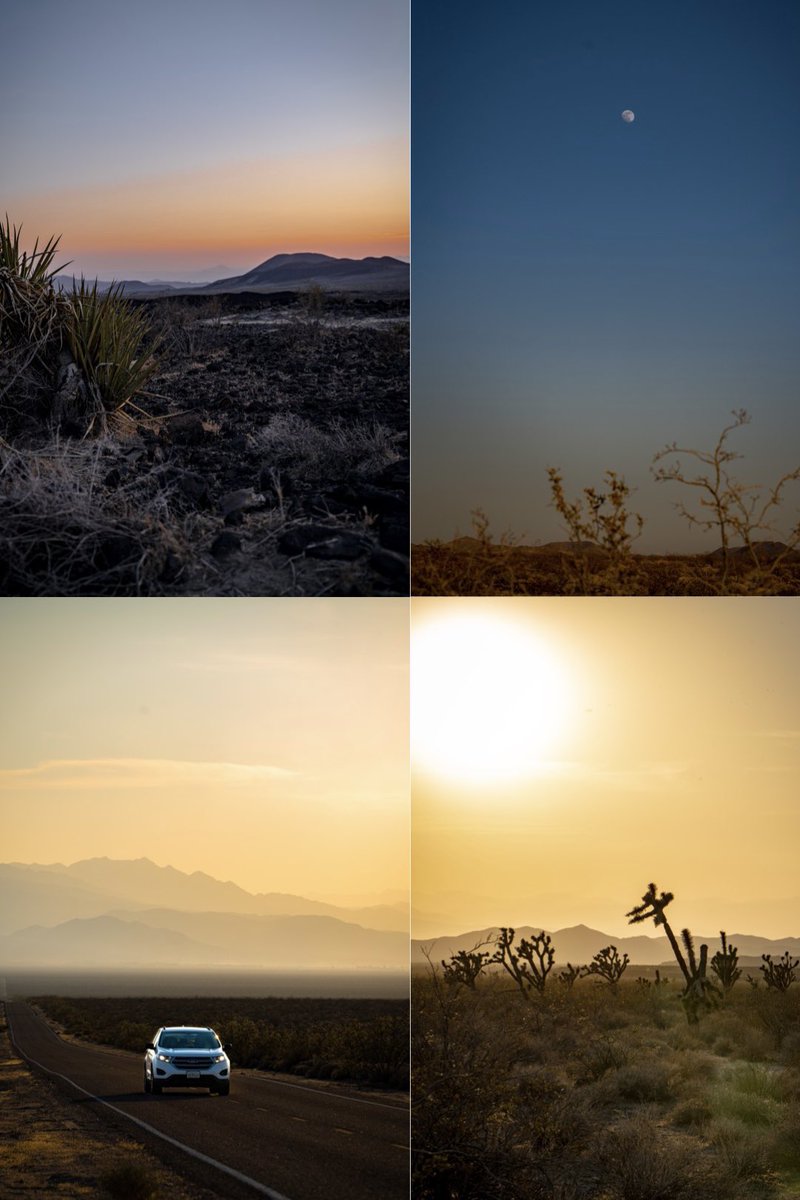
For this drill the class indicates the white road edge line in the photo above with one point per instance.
(245, 1179)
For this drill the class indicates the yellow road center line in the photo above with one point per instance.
(338, 1130)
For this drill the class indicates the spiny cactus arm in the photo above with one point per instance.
(653, 906)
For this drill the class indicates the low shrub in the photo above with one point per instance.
(128, 1181)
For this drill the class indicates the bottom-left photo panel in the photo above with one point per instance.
(204, 945)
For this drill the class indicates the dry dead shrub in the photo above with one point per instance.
(63, 534)
(643, 1081)
(640, 1161)
(336, 451)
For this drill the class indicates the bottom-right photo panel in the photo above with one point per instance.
(606, 885)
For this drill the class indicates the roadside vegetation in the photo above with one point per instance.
(531, 1082)
(349, 1040)
(55, 1145)
(756, 555)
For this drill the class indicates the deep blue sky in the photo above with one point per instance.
(585, 290)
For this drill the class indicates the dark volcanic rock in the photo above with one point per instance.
(240, 501)
(187, 428)
(225, 543)
(323, 541)
(194, 487)
(394, 567)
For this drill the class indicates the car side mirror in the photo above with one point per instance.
(150, 1046)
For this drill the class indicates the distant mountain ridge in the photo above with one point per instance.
(578, 944)
(281, 272)
(127, 912)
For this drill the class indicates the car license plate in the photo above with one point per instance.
(192, 1074)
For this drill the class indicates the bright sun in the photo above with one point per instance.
(489, 698)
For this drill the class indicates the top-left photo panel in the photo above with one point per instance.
(204, 298)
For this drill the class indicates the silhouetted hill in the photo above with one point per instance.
(222, 939)
(48, 894)
(304, 270)
(102, 941)
(578, 944)
(282, 272)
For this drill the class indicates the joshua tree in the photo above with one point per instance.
(779, 975)
(529, 963)
(699, 992)
(608, 965)
(569, 976)
(465, 967)
(725, 966)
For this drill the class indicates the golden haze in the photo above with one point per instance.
(678, 762)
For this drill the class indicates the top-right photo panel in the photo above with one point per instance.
(606, 298)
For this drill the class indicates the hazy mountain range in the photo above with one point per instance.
(104, 911)
(282, 272)
(579, 944)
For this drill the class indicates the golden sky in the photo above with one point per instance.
(349, 202)
(610, 742)
(262, 741)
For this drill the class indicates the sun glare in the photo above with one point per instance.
(489, 699)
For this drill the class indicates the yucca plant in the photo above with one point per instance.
(112, 345)
(30, 308)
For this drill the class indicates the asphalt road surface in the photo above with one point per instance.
(277, 1139)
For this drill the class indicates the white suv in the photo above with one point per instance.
(187, 1056)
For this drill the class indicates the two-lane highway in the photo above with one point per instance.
(288, 1141)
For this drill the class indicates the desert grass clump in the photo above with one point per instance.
(640, 1161)
(743, 1155)
(692, 1113)
(338, 450)
(643, 1081)
(748, 1093)
(111, 344)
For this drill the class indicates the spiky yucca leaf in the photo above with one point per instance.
(30, 309)
(111, 343)
(37, 266)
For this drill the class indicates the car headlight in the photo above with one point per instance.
(218, 1058)
(165, 1058)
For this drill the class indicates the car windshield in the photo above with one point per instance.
(189, 1039)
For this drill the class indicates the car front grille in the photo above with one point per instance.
(192, 1064)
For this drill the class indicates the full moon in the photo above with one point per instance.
(628, 116)
(489, 699)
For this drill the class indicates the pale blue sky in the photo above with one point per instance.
(98, 94)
